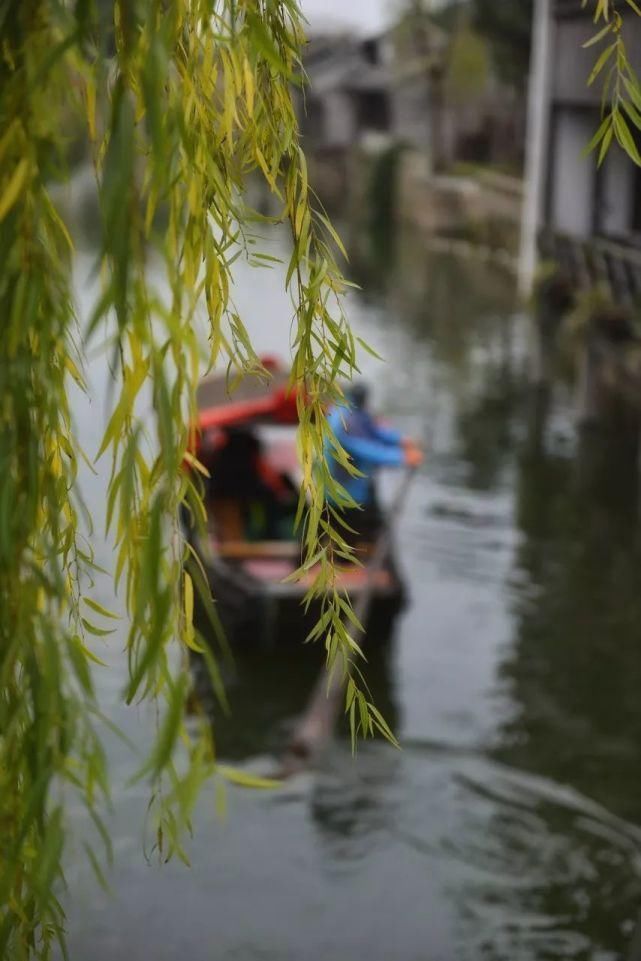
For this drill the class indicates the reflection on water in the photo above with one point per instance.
(547, 868)
(269, 691)
(574, 669)
(509, 826)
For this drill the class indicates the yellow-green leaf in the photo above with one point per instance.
(244, 779)
(99, 609)
(96, 631)
(12, 190)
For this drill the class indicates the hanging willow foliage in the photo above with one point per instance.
(181, 101)
(621, 87)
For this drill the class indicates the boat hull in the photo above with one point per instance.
(258, 614)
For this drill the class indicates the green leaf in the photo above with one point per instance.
(382, 725)
(11, 190)
(632, 112)
(598, 36)
(624, 137)
(605, 144)
(179, 113)
(87, 652)
(96, 867)
(599, 135)
(169, 731)
(78, 658)
(601, 62)
(634, 91)
(99, 609)
(265, 43)
(369, 349)
(114, 429)
(96, 631)
(244, 779)
(333, 234)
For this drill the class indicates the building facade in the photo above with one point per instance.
(347, 96)
(582, 199)
(574, 208)
(579, 198)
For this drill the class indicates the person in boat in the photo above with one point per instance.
(370, 446)
(253, 501)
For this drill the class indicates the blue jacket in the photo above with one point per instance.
(369, 445)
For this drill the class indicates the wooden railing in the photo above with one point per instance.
(595, 263)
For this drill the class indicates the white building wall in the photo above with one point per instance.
(411, 112)
(563, 115)
(573, 61)
(573, 174)
(617, 194)
(339, 119)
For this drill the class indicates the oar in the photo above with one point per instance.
(316, 725)
(634, 953)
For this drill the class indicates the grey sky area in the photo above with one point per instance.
(365, 15)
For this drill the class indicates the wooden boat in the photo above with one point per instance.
(248, 571)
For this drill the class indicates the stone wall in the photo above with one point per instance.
(486, 206)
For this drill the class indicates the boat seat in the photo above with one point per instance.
(240, 549)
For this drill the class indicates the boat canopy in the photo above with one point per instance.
(255, 400)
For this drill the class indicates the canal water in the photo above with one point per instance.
(509, 824)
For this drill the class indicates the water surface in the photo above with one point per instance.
(509, 826)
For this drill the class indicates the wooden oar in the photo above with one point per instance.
(634, 953)
(316, 725)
